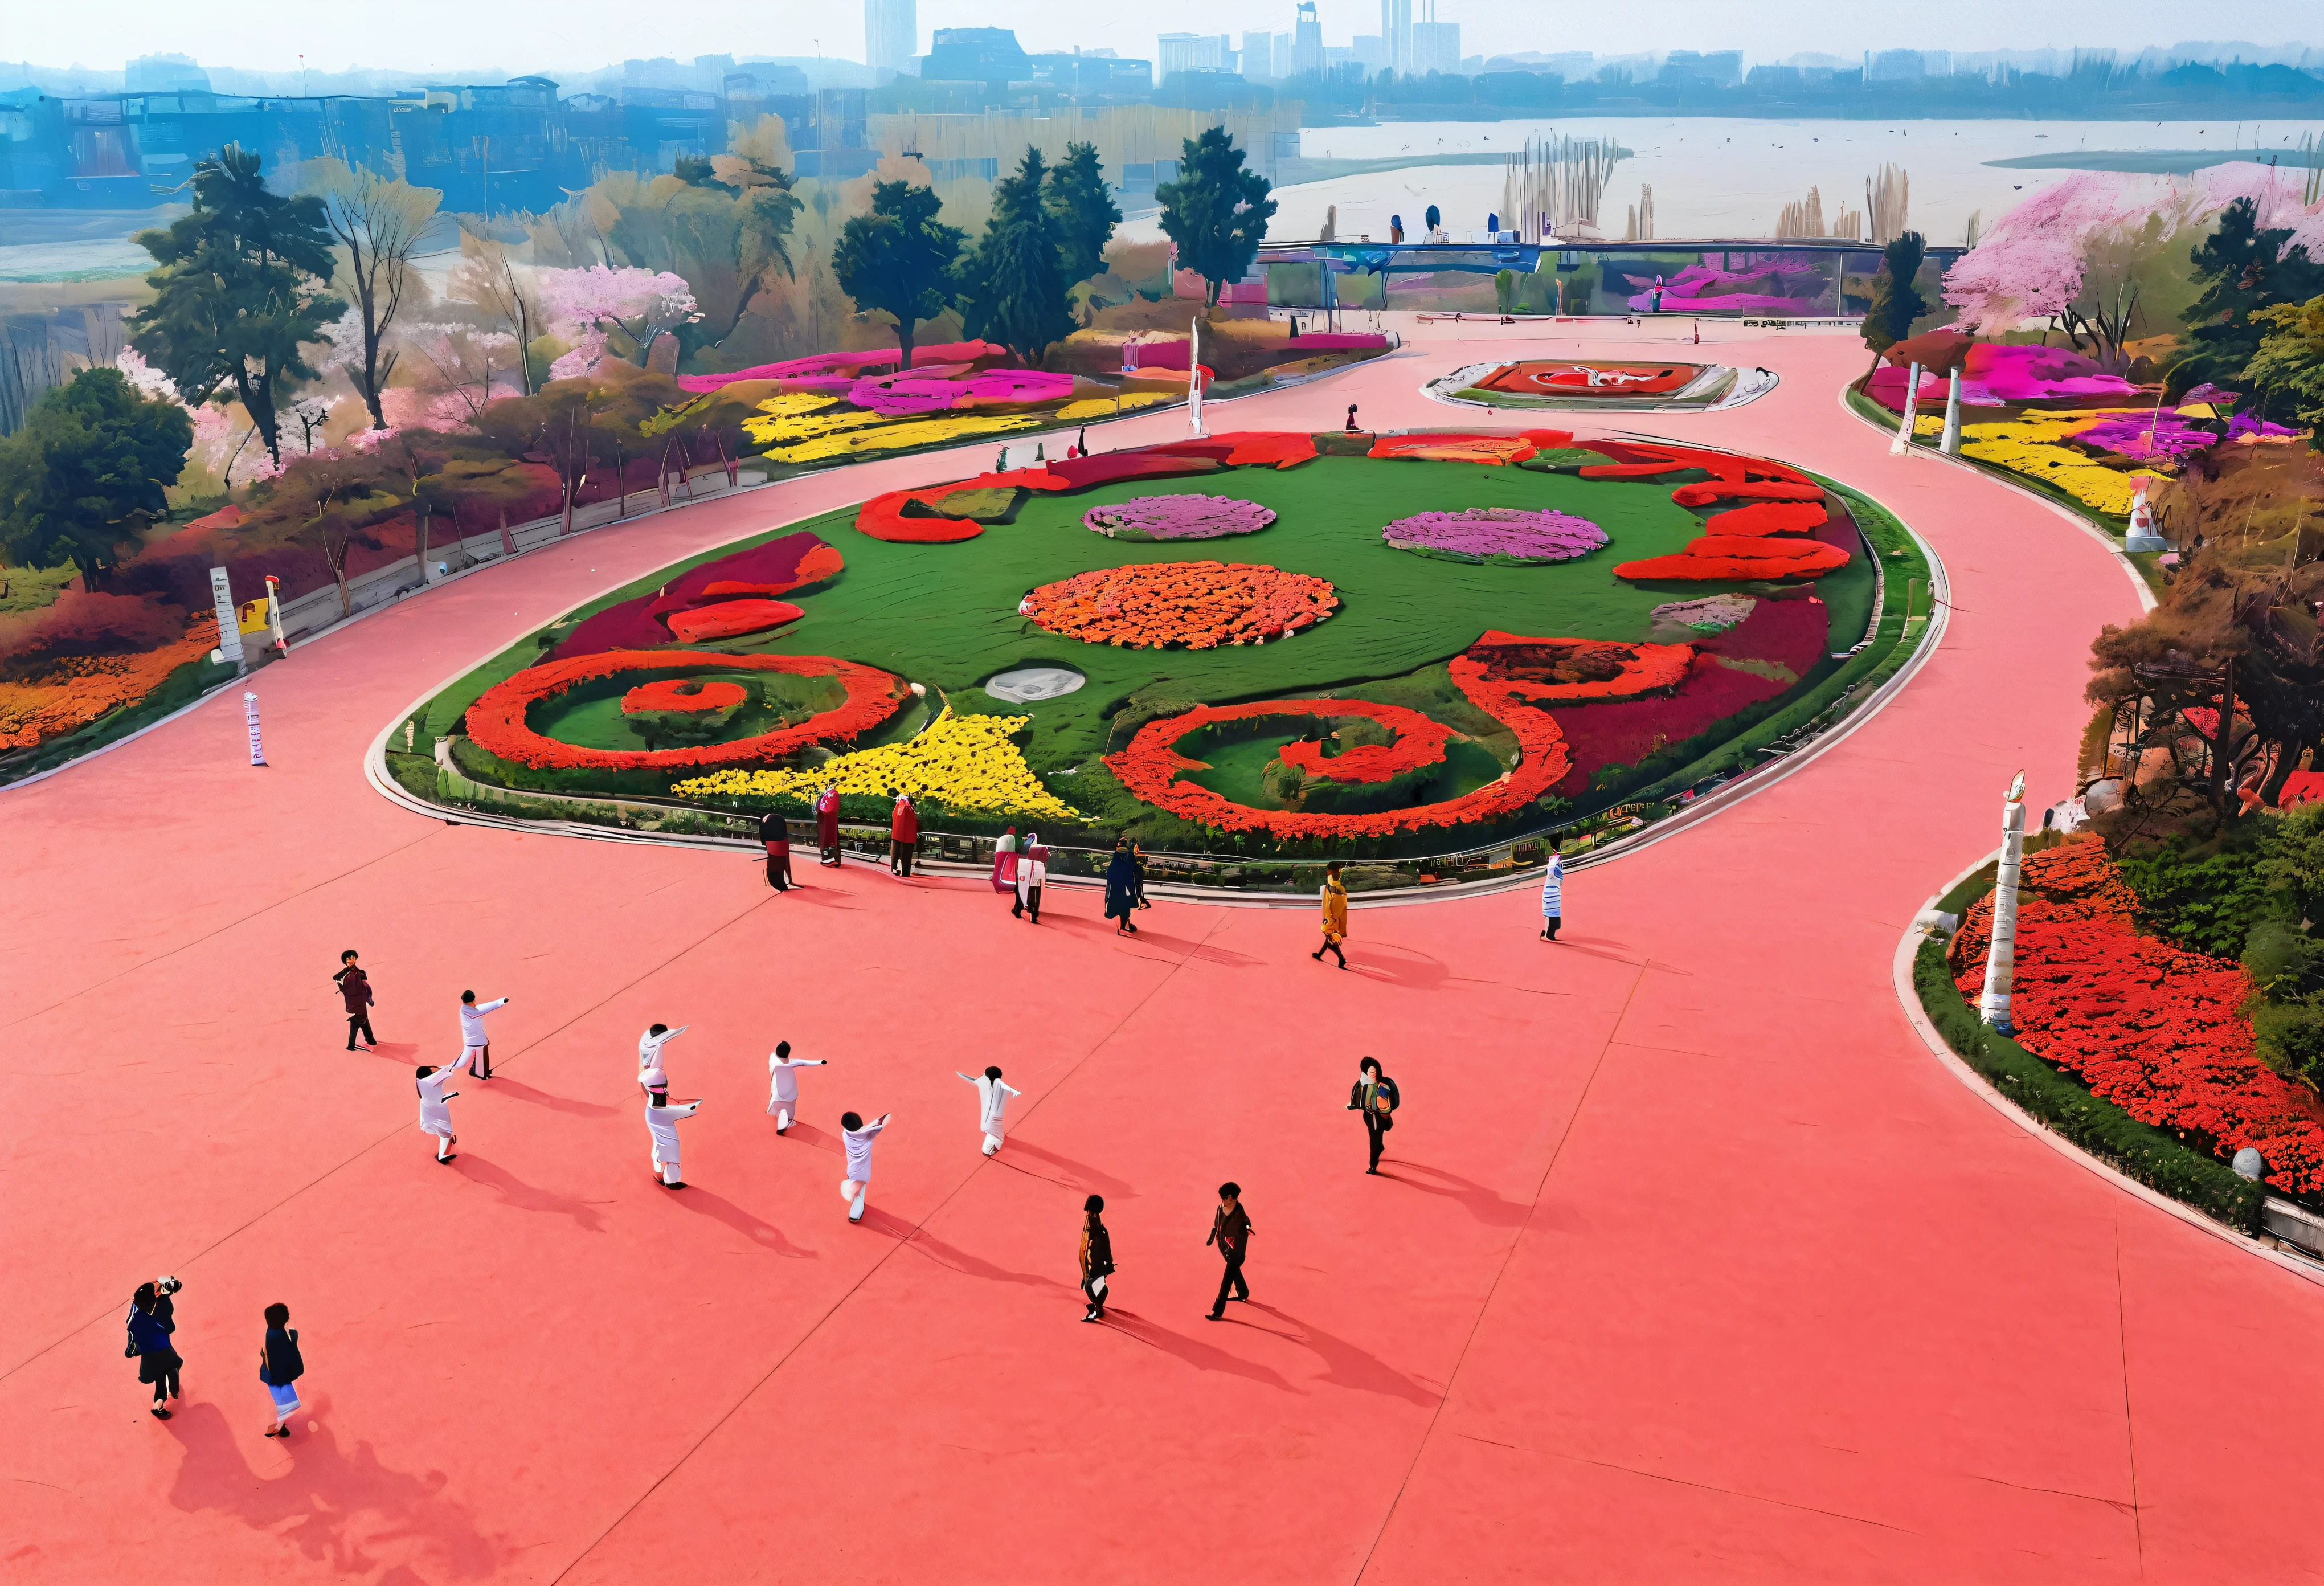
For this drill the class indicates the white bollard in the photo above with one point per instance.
(1951, 443)
(1912, 397)
(250, 718)
(2001, 958)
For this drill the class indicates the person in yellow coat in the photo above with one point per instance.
(1335, 917)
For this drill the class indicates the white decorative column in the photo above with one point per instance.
(1950, 444)
(1912, 397)
(1195, 376)
(250, 718)
(2001, 958)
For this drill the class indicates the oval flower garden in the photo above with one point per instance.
(1418, 644)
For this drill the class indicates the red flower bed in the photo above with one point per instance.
(1419, 741)
(1149, 765)
(1081, 472)
(2151, 1028)
(496, 722)
(883, 517)
(794, 561)
(1243, 449)
(1198, 605)
(1769, 517)
(683, 693)
(726, 618)
(1574, 669)
(1637, 460)
(1740, 556)
(1703, 491)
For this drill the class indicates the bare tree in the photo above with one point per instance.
(379, 223)
(489, 278)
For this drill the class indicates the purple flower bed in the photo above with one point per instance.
(1178, 517)
(1505, 534)
(2126, 435)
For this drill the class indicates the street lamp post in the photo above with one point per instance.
(2000, 958)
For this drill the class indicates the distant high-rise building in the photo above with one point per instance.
(1281, 57)
(891, 33)
(1306, 41)
(1435, 47)
(1258, 55)
(1395, 35)
(1189, 52)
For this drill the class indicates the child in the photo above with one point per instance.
(857, 1135)
(782, 1071)
(436, 1101)
(661, 1123)
(475, 1046)
(279, 1366)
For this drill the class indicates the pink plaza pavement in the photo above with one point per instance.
(1689, 1261)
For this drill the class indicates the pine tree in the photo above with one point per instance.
(1016, 289)
(899, 259)
(2242, 269)
(1083, 210)
(1216, 212)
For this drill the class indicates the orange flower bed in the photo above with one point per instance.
(727, 618)
(1572, 670)
(1198, 605)
(883, 517)
(76, 691)
(496, 722)
(683, 693)
(1770, 517)
(1497, 449)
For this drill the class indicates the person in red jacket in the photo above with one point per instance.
(354, 990)
(903, 836)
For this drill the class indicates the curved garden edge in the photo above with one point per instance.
(2131, 570)
(1732, 791)
(1908, 947)
(1726, 405)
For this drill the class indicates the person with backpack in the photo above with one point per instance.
(1374, 1095)
(355, 992)
(279, 1366)
(151, 1325)
(1097, 1256)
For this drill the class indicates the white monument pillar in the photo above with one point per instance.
(1911, 397)
(250, 719)
(229, 620)
(1950, 444)
(1194, 377)
(2001, 958)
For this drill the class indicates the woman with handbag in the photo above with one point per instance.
(1374, 1095)
(1097, 1256)
(158, 1361)
(280, 1365)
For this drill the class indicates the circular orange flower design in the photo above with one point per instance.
(1198, 605)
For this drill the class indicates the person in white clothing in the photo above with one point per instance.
(1032, 870)
(991, 1104)
(650, 1069)
(782, 1093)
(1552, 892)
(436, 1102)
(661, 1123)
(857, 1135)
(475, 1046)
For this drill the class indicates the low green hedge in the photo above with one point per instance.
(2105, 1131)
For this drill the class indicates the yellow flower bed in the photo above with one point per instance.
(892, 436)
(1106, 406)
(964, 761)
(2106, 490)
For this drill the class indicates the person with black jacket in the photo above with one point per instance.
(775, 831)
(354, 990)
(149, 1340)
(1230, 1230)
(1374, 1095)
(280, 1365)
(1097, 1256)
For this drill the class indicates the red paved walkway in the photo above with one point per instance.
(1690, 1263)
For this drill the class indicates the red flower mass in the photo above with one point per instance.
(683, 693)
(1419, 741)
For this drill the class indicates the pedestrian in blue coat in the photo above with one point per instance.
(1552, 892)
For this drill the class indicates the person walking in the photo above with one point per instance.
(1032, 870)
(775, 831)
(903, 836)
(1125, 887)
(1552, 892)
(661, 1126)
(826, 826)
(476, 1044)
(354, 990)
(1096, 1256)
(991, 1105)
(1396, 230)
(1335, 917)
(782, 1088)
(857, 1135)
(1375, 1095)
(152, 1345)
(1004, 862)
(279, 1366)
(650, 1073)
(436, 1102)
(1230, 1230)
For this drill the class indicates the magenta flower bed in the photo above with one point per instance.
(1504, 534)
(849, 366)
(1994, 376)
(940, 390)
(2127, 435)
(1178, 517)
(1780, 636)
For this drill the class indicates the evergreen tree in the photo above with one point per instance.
(2241, 269)
(1083, 210)
(240, 290)
(1216, 212)
(88, 471)
(1017, 289)
(900, 259)
(1896, 299)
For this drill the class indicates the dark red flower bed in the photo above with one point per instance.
(794, 561)
(2154, 1028)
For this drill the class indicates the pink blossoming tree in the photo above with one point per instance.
(591, 306)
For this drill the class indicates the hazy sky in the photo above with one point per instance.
(428, 35)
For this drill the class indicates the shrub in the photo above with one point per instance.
(2290, 1039)
(84, 624)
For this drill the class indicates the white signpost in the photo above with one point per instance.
(250, 716)
(1194, 377)
(229, 624)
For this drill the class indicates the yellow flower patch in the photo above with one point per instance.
(892, 436)
(1105, 408)
(963, 762)
(2106, 490)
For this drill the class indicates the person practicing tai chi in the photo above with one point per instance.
(1552, 892)
(826, 826)
(436, 1102)
(650, 1074)
(775, 831)
(1335, 917)
(1230, 1230)
(475, 1046)
(1032, 870)
(279, 1366)
(782, 1090)
(1374, 1095)
(857, 1135)
(355, 992)
(661, 1125)
(991, 1103)
(1097, 1256)
(1125, 888)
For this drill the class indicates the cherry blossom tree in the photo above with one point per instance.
(592, 306)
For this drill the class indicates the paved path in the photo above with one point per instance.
(1689, 1263)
